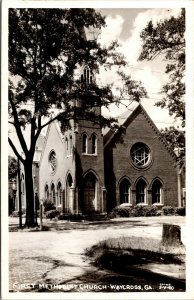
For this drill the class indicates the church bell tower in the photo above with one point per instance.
(84, 161)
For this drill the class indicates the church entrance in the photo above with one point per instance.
(90, 193)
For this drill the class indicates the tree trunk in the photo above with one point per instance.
(171, 235)
(30, 214)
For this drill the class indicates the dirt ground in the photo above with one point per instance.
(54, 260)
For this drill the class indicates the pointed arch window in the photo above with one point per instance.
(59, 194)
(86, 76)
(46, 192)
(124, 191)
(156, 191)
(94, 144)
(71, 145)
(66, 146)
(85, 144)
(141, 191)
(53, 193)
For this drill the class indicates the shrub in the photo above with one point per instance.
(122, 211)
(136, 211)
(112, 214)
(144, 211)
(168, 210)
(150, 210)
(181, 211)
(48, 205)
(51, 214)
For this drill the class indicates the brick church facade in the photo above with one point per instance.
(87, 169)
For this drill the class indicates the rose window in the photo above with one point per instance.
(140, 154)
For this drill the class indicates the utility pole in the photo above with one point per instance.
(19, 195)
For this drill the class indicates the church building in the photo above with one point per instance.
(88, 169)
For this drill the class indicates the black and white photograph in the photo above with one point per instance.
(97, 107)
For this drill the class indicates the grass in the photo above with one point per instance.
(138, 243)
(115, 253)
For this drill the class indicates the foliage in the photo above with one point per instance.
(131, 90)
(51, 214)
(136, 211)
(167, 39)
(144, 211)
(181, 211)
(12, 167)
(120, 211)
(48, 205)
(175, 139)
(168, 210)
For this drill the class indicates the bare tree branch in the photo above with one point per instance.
(15, 150)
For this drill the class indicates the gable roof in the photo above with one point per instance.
(121, 119)
(57, 127)
(127, 117)
(40, 142)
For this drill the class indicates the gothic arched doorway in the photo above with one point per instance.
(90, 193)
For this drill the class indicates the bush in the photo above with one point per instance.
(51, 214)
(144, 211)
(122, 211)
(150, 211)
(136, 211)
(181, 211)
(168, 210)
(48, 205)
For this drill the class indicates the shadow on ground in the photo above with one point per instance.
(70, 225)
(60, 276)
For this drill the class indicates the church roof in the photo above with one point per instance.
(125, 117)
(121, 119)
(40, 142)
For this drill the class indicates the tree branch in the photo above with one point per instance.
(17, 127)
(12, 123)
(15, 150)
(50, 121)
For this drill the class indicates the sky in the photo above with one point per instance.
(125, 26)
